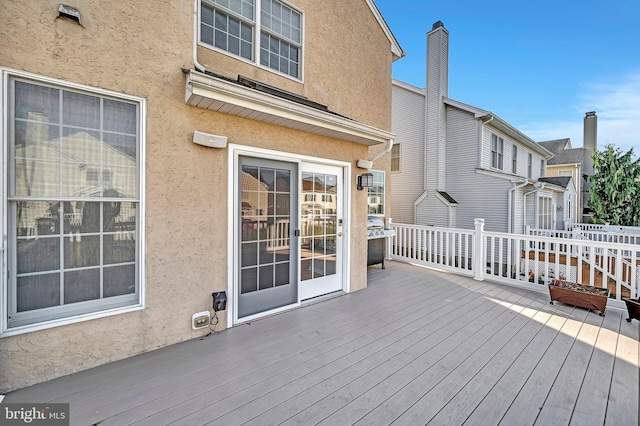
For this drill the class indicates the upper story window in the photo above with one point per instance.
(395, 157)
(497, 150)
(565, 173)
(514, 160)
(530, 166)
(542, 168)
(73, 201)
(265, 29)
(376, 193)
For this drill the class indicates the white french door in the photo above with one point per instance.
(321, 230)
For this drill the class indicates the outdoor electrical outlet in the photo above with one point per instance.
(200, 320)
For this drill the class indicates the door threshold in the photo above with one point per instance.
(322, 298)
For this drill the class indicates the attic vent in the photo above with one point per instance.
(68, 12)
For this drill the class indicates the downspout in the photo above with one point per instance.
(538, 186)
(384, 151)
(196, 64)
(480, 137)
(510, 219)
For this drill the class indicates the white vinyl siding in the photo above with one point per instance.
(478, 195)
(407, 122)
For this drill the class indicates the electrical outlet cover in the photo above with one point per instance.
(200, 320)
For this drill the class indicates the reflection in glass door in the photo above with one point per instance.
(268, 270)
(320, 230)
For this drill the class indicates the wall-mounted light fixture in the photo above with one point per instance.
(364, 180)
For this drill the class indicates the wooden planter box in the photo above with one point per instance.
(584, 296)
(633, 307)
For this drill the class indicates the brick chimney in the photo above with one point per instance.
(437, 89)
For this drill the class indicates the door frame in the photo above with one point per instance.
(234, 215)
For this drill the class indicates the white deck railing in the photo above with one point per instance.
(525, 260)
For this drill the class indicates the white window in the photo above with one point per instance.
(376, 193)
(530, 166)
(497, 149)
(514, 160)
(230, 25)
(565, 173)
(545, 213)
(542, 168)
(395, 157)
(73, 201)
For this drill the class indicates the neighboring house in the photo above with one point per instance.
(158, 153)
(456, 162)
(575, 162)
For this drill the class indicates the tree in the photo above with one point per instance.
(615, 187)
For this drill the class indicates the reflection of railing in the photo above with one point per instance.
(278, 235)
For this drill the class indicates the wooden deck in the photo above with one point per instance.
(416, 347)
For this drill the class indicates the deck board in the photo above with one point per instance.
(417, 346)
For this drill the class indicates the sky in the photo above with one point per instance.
(538, 65)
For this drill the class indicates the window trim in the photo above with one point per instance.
(498, 164)
(399, 157)
(7, 75)
(384, 192)
(257, 28)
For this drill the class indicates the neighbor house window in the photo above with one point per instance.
(395, 157)
(544, 213)
(570, 207)
(565, 173)
(73, 201)
(230, 25)
(514, 160)
(530, 166)
(376, 193)
(497, 149)
(542, 168)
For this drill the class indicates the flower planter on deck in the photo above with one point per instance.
(633, 307)
(584, 296)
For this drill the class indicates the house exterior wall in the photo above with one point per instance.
(408, 106)
(477, 194)
(522, 159)
(431, 211)
(576, 175)
(139, 49)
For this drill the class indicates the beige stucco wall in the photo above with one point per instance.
(139, 48)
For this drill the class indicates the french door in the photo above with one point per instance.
(289, 233)
(321, 230)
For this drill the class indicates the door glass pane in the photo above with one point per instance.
(319, 224)
(266, 218)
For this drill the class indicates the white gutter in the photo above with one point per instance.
(384, 151)
(510, 219)
(196, 64)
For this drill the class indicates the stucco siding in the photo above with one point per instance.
(407, 185)
(139, 49)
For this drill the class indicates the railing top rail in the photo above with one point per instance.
(433, 228)
(582, 242)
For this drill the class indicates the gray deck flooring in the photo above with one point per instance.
(416, 347)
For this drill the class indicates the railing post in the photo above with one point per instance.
(478, 250)
(389, 248)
